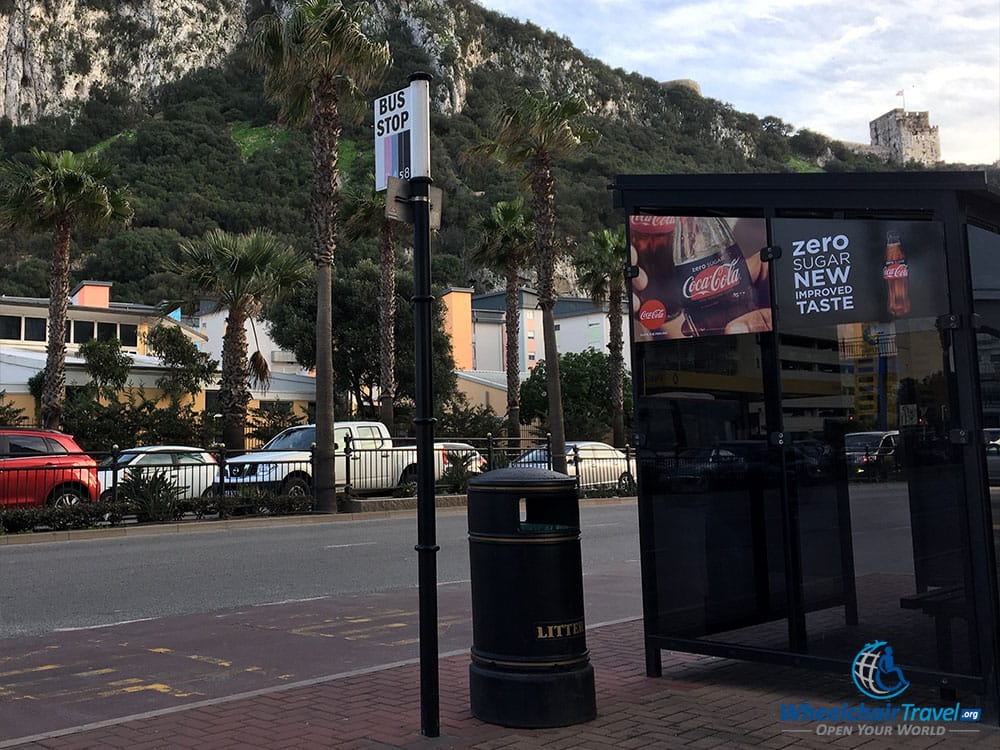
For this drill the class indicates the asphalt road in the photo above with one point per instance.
(64, 585)
(99, 629)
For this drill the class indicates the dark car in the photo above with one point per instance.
(872, 455)
(44, 467)
(731, 463)
(702, 469)
(993, 463)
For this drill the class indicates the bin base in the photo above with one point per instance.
(532, 700)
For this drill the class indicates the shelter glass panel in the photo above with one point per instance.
(984, 258)
(871, 419)
(703, 466)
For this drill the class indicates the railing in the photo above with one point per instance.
(218, 472)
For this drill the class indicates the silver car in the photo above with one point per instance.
(193, 470)
(596, 464)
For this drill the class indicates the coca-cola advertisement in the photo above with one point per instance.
(698, 276)
(832, 272)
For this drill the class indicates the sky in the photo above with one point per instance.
(830, 66)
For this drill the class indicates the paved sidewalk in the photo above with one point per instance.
(700, 702)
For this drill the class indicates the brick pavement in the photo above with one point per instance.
(700, 702)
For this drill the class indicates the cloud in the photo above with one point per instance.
(826, 65)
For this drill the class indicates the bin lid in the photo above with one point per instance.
(518, 477)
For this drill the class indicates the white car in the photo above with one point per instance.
(596, 464)
(193, 470)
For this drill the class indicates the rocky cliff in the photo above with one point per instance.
(53, 52)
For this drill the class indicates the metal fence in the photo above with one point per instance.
(359, 469)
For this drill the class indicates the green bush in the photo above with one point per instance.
(62, 518)
(286, 505)
(152, 496)
(20, 520)
(455, 479)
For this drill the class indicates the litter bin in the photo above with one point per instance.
(530, 665)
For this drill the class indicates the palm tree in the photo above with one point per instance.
(316, 58)
(531, 134)
(242, 272)
(599, 269)
(60, 192)
(505, 242)
(366, 216)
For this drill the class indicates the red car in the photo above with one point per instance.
(44, 467)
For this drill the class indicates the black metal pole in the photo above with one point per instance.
(426, 534)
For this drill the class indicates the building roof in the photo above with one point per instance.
(490, 378)
(18, 365)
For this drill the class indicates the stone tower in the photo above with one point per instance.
(906, 136)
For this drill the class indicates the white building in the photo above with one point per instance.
(476, 324)
(211, 323)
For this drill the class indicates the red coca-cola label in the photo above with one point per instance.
(712, 281)
(652, 314)
(895, 270)
(648, 223)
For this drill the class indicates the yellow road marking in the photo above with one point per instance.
(44, 668)
(94, 672)
(156, 687)
(161, 650)
(211, 660)
(127, 681)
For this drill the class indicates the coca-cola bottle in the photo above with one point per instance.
(652, 239)
(712, 276)
(896, 273)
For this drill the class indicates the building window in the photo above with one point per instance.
(531, 356)
(83, 331)
(34, 329)
(531, 335)
(107, 331)
(128, 335)
(211, 402)
(10, 327)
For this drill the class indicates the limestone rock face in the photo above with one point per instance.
(53, 52)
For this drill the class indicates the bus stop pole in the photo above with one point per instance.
(426, 548)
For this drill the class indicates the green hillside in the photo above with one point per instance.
(208, 152)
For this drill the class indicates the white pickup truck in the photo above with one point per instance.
(284, 464)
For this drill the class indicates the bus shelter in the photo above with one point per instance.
(816, 364)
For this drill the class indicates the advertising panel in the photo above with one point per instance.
(698, 276)
(848, 271)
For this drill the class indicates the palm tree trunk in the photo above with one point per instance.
(543, 197)
(324, 203)
(513, 324)
(54, 391)
(234, 394)
(616, 344)
(387, 327)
